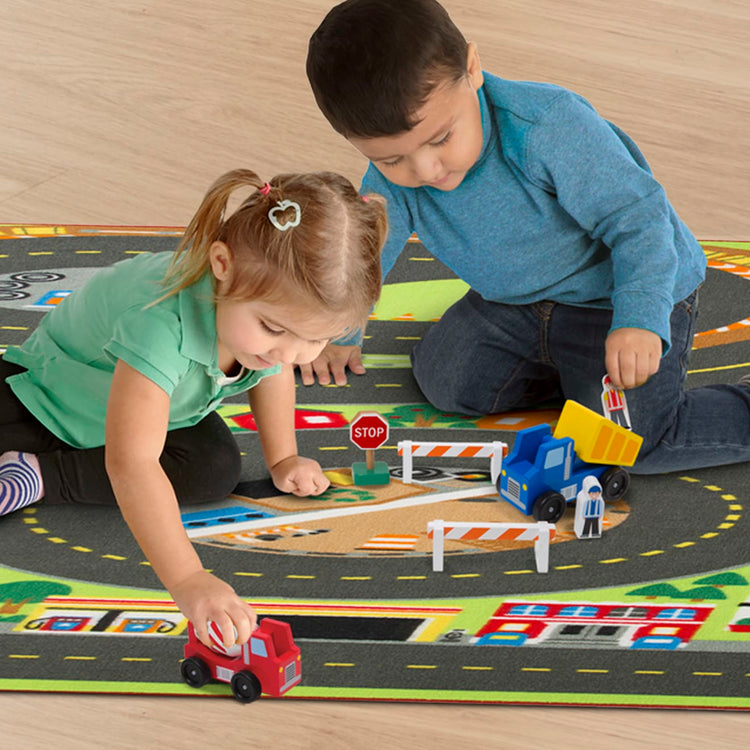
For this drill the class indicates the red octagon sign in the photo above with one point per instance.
(368, 430)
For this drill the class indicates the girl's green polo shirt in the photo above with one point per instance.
(71, 356)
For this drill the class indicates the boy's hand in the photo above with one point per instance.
(299, 476)
(333, 361)
(632, 356)
(202, 597)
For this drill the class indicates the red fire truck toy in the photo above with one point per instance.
(268, 663)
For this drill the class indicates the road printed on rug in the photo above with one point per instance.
(647, 585)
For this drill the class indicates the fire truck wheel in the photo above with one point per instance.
(549, 506)
(195, 672)
(615, 483)
(245, 686)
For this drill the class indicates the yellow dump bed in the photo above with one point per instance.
(597, 439)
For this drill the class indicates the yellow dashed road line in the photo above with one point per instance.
(729, 522)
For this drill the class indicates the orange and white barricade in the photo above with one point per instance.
(407, 449)
(540, 533)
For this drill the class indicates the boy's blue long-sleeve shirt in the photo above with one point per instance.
(561, 205)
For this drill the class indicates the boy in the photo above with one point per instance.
(578, 264)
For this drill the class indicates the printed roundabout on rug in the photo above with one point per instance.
(656, 612)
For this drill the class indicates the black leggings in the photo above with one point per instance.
(202, 462)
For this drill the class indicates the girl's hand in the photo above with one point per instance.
(632, 356)
(333, 361)
(202, 597)
(299, 476)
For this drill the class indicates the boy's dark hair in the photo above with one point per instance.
(373, 63)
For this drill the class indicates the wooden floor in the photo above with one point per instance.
(123, 112)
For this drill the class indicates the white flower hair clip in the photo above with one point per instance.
(282, 207)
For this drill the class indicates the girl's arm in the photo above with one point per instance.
(272, 403)
(136, 428)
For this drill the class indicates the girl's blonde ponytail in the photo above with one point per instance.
(191, 261)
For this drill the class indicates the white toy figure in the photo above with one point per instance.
(589, 509)
(614, 403)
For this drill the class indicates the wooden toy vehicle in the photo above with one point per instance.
(268, 663)
(545, 471)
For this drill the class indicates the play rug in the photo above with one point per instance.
(654, 613)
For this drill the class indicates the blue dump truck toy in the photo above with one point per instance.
(545, 471)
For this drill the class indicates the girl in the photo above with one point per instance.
(112, 398)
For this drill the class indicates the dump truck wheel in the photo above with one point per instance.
(195, 672)
(246, 686)
(615, 483)
(549, 507)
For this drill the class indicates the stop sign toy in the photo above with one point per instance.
(368, 431)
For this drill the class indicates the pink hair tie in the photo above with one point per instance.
(265, 190)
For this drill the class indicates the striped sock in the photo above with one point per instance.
(20, 481)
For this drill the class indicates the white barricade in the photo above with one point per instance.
(494, 451)
(541, 533)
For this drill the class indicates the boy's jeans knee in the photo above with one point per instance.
(484, 357)
(707, 426)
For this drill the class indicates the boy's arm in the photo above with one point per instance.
(603, 181)
(136, 427)
(272, 402)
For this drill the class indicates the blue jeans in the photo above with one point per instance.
(486, 357)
